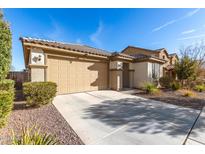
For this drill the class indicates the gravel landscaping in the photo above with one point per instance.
(46, 117)
(174, 97)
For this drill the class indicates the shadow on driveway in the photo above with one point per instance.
(143, 116)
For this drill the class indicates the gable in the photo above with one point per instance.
(163, 54)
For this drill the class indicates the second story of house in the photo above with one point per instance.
(162, 54)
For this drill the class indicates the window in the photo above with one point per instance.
(163, 56)
(155, 70)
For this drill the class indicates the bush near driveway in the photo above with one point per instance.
(39, 93)
(6, 105)
(199, 88)
(151, 88)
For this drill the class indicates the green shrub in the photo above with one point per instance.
(5, 47)
(151, 88)
(199, 88)
(175, 85)
(33, 136)
(7, 85)
(39, 93)
(6, 105)
(165, 81)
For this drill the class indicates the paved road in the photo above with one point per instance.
(110, 117)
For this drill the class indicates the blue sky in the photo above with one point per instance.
(109, 29)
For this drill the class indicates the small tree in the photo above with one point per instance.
(5, 47)
(186, 69)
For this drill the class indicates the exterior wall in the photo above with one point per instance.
(163, 55)
(116, 79)
(140, 74)
(37, 74)
(37, 57)
(116, 75)
(37, 65)
(173, 60)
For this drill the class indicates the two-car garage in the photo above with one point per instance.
(73, 75)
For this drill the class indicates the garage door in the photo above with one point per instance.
(77, 76)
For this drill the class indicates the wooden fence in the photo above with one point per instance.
(19, 77)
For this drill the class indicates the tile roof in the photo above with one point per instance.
(68, 46)
(85, 48)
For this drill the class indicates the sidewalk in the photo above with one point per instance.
(197, 136)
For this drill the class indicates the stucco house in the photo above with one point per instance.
(78, 68)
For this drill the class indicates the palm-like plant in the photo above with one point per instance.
(33, 136)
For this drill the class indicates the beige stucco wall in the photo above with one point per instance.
(116, 75)
(116, 79)
(140, 74)
(37, 65)
(37, 74)
(116, 65)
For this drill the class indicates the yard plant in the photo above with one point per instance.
(6, 105)
(199, 88)
(39, 93)
(165, 81)
(187, 93)
(6, 100)
(151, 88)
(33, 136)
(175, 85)
(5, 47)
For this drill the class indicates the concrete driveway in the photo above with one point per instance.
(110, 117)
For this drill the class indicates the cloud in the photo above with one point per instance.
(164, 25)
(188, 31)
(95, 36)
(189, 14)
(191, 37)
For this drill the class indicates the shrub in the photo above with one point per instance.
(7, 85)
(39, 93)
(151, 88)
(187, 93)
(199, 88)
(175, 85)
(6, 105)
(5, 47)
(32, 136)
(165, 81)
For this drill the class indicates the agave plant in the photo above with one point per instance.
(33, 136)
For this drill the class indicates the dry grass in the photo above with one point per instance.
(187, 93)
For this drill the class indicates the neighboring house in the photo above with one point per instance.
(78, 68)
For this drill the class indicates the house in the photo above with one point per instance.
(78, 68)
